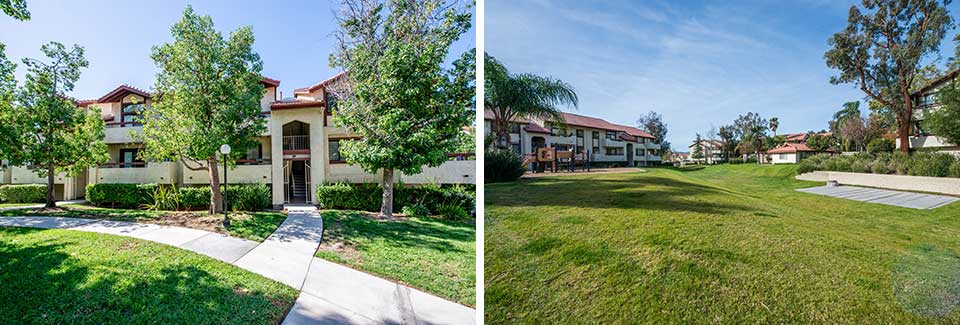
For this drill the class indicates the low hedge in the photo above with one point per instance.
(919, 164)
(368, 196)
(25, 193)
(243, 197)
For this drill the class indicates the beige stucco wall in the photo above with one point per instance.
(241, 174)
(22, 175)
(788, 158)
(450, 172)
(121, 135)
(318, 141)
(154, 172)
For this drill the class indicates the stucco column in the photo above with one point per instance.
(276, 159)
(318, 155)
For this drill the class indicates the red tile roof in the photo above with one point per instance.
(590, 122)
(310, 89)
(270, 82)
(118, 93)
(535, 128)
(295, 103)
(792, 148)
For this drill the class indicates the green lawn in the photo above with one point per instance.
(722, 244)
(437, 256)
(64, 276)
(255, 226)
(14, 205)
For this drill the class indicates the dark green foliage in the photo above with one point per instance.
(121, 195)
(453, 212)
(367, 196)
(26, 193)
(880, 145)
(920, 164)
(502, 165)
(248, 197)
(415, 210)
(244, 197)
(932, 164)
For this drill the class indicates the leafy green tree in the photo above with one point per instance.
(881, 48)
(945, 121)
(757, 137)
(819, 143)
(210, 95)
(524, 96)
(726, 135)
(652, 123)
(44, 129)
(15, 8)
(697, 152)
(400, 99)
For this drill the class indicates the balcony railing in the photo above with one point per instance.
(116, 124)
(296, 142)
(135, 164)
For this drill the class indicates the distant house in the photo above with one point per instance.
(924, 101)
(603, 141)
(677, 157)
(791, 153)
(712, 151)
(802, 137)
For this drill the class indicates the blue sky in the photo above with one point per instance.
(293, 38)
(698, 63)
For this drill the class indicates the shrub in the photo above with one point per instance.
(860, 166)
(955, 169)
(453, 212)
(121, 195)
(502, 166)
(367, 197)
(806, 166)
(879, 145)
(26, 193)
(932, 164)
(164, 198)
(248, 197)
(879, 167)
(194, 198)
(242, 197)
(415, 210)
(837, 164)
(900, 163)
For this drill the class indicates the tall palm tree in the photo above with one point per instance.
(774, 124)
(511, 97)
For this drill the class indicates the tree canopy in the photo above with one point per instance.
(15, 8)
(44, 129)
(399, 97)
(522, 96)
(209, 94)
(652, 123)
(881, 48)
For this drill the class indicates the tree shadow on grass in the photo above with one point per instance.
(62, 279)
(639, 192)
(424, 233)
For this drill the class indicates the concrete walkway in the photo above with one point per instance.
(881, 196)
(330, 293)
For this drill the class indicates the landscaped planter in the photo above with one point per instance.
(945, 185)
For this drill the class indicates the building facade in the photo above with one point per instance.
(712, 151)
(298, 151)
(604, 142)
(925, 101)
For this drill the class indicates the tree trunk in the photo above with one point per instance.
(386, 209)
(216, 198)
(903, 131)
(503, 135)
(51, 173)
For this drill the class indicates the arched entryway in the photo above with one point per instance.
(296, 162)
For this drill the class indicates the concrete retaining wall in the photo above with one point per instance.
(945, 185)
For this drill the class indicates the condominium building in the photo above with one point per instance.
(604, 142)
(298, 151)
(925, 101)
(712, 151)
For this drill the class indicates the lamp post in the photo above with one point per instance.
(225, 152)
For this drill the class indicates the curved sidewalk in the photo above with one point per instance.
(330, 293)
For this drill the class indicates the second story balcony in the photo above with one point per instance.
(117, 132)
(296, 142)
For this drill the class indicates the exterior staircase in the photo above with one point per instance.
(298, 184)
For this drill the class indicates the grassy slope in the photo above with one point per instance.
(437, 256)
(721, 244)
(255, 226)
(62, 276)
